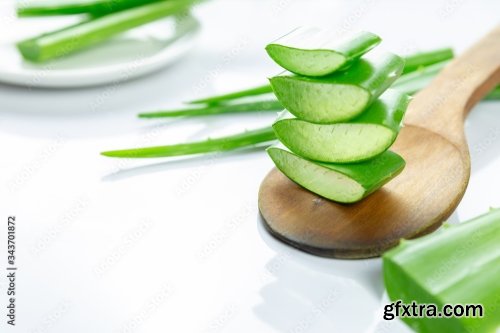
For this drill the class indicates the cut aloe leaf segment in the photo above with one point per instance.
(345, 183)
(459, 264)
(340, 96)
(316, 52)
(71, 7)
(76, 37)
(362, 138)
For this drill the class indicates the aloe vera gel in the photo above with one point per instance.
(340, 96)
(345, 183)
(362, 138)
(337, 128)
(315, 52)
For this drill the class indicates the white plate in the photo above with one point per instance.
(136, 53)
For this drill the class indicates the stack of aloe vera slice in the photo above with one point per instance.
(340, 117)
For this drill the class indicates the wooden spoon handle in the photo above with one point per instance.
(443, 105)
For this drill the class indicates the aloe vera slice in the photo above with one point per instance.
(459, 264)
(345, 183)
(90, 32)
(364, 137)
(316, 52)
(70, 7)
(340, 96)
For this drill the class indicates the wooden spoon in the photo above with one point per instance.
(414, 203)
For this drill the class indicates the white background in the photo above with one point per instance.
(176, 245)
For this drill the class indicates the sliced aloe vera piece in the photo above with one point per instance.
(459, 264)
(316, 52)
(345, 183)
(340, 96)
(364, 137)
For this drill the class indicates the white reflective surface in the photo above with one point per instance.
(176, 245)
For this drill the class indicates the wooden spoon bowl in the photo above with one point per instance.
(420, 198)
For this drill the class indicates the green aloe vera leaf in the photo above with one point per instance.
(271, 105)
(494, 94)
(362, 138)
(65, 41)
(459, 264)
(340, 96)
(71, 7)
(345, 183)
(268, 138)
(255, 91)
(410, 85)
(418, 60)
(413, 82)
(315, 52)
(422, 59)
(248, 138)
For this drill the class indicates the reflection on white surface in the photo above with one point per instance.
(176, 245)
(313, 294)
